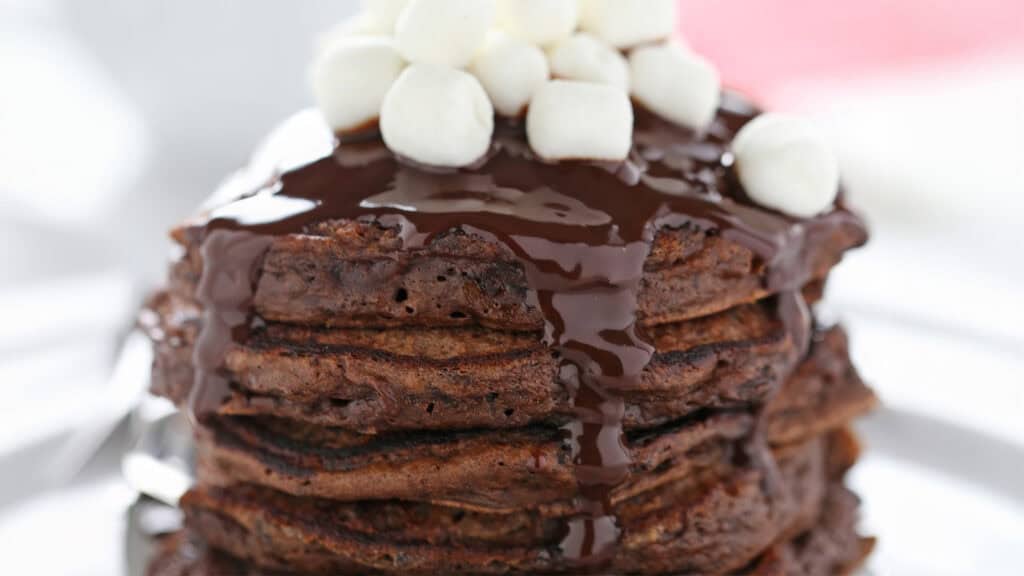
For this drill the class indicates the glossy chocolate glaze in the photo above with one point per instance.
(581, 230)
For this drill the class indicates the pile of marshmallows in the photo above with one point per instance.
(433, 73)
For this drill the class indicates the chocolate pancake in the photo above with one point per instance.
(476, 469)
(355, 275)
(832, 546)
(460, 378)
(710, 523)
(707, 523)
(524, 467)
(515, 367)
(365, 241)
(826, 385)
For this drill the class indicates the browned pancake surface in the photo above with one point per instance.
(717, 524)
(355, 274)
(462, 378)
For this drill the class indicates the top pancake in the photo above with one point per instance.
(360, 239)
(355, 274)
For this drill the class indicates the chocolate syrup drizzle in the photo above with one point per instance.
(582, 232)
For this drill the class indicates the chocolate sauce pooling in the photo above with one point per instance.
(582, 232)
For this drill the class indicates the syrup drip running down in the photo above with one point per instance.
(581, 231)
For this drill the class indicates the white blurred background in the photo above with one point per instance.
(118, 116)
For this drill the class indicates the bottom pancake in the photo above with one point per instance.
(830, 546)
(713, 523)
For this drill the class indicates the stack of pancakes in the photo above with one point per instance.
(395, 410)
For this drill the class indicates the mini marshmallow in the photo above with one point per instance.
(444, 32)
(351, 78)
(438, 116)
(571, 120)
(783, 163)
(540, 22)
(510, 70)
(626, 23)
(585, 58)
(676, 84)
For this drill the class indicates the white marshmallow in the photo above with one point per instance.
(580, 121)
(676, 84)
(444, 32)
(626, 23)
(783, 163)
(437, 116)
(541, 22)
(510, 70)
(384, 13)
(351, 78)
(585, 58)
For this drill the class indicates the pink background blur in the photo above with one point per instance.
(761, 44)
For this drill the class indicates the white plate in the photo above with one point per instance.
(941, 498)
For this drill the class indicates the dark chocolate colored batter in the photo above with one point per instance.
(581, 230)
